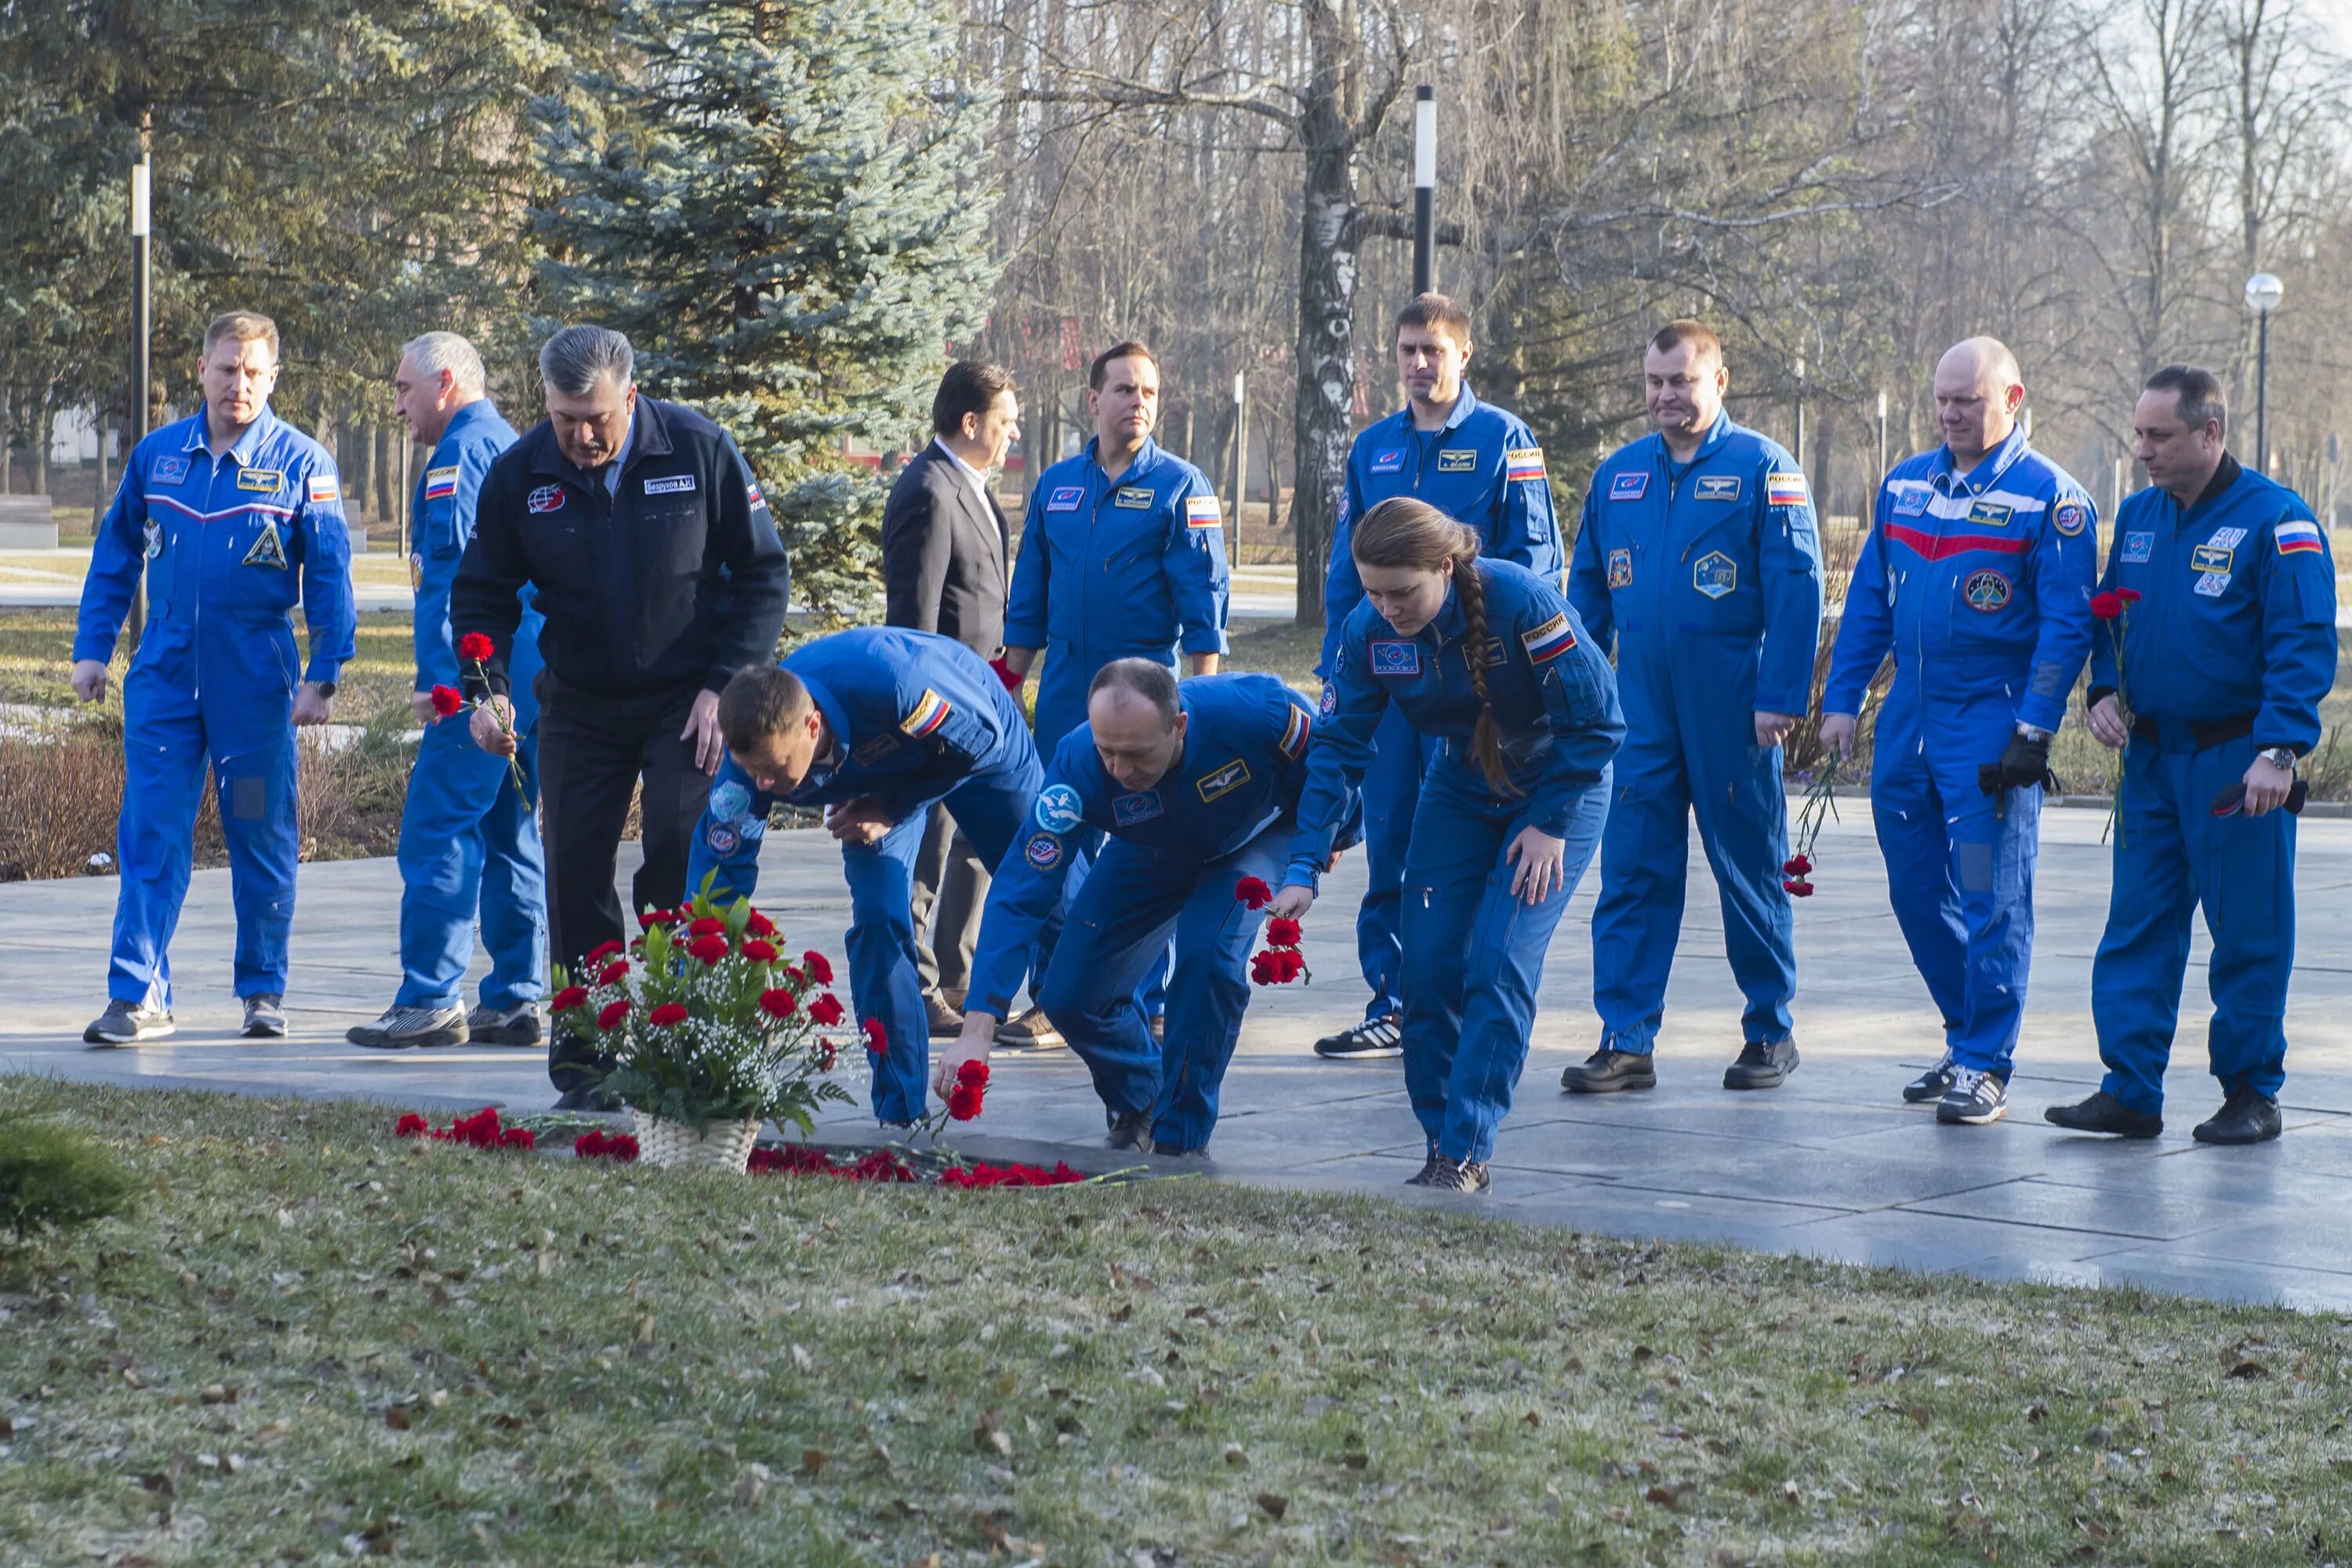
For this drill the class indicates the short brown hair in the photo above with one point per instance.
(759, 703)
(1438, 312)
(245, 326)
(1683, 330)
(1146, 679)
(2198, 392)
(1129, 349)
(969, 386)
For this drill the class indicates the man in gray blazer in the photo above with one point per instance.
(945, 569)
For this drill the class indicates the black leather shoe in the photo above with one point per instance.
(1608, 1071)
(2247, 1116)
(1762, 1064)
(2103, 1113)
(1129, 1129)
(586, 1097)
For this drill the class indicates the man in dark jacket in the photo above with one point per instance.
(944, 570)
(660, 574)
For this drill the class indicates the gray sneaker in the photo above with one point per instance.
(401, 1028)
(128, 1024)
(488, 1025)
(265, 1017)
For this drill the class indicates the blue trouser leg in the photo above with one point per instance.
(1211, 990)
(163, 780)
(249, 706)
(1391, 789)
(1645, 868)
(469, 844)
(2172, 855)
(989, 806)
(1087, 846)
(1061, 704)
(1116, 931)
(1908, 815)
(1473, 954)
(1743, 822)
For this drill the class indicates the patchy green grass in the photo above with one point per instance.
(37, 659)
(313, 1340)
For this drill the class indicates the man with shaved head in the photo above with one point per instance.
(1976, 577)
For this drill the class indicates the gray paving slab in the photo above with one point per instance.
(1831, 1166)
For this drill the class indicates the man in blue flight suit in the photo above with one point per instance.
(877, 725)
(1698, 558)
(2212, 677)
(469, 828)
(227, 511)
(1122, 557)
(1197, 787)
(1976, 577)
(1479, 465)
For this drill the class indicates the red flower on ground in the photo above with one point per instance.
(411, 1126)
(758, 924)
(1280, 932)
(447, 700)
(614, 1015)
(1797, 865)
(475, 645)
(826, 1009)
(568, 998)
(878, 1038)
(667, 1016)
(709, 925)
(1253, 893)
(598, 1144)
(974, 1073)
(964, 1101)
(612, 974)
(778, 1004)
(819, 967)
(760, 952)
(710, 949)
(603, 950)
(2106, 606)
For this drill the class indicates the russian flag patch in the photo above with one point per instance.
(1201, 511)
(1523, 463)
(440, 484)
(323, 490)
(2296, 537)
(1549, 640)
(1786, 488)
(929, 714)
(1295, 733)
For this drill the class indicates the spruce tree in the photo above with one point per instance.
(786, 212)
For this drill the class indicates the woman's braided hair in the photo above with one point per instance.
(1403, 533)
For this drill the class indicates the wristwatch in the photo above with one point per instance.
(323, 687)
(2278, 757)
(2027, 733)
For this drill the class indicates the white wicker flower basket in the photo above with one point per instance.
(725, 1146)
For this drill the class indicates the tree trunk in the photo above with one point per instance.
(45, 429)
(1331, 227)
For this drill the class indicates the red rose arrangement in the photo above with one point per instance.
(2112, 610)
(479, 1131)
(703, 1021)
(1281, 962)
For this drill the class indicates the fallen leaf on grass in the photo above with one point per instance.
(2249, 1371)
(1668, 1495)
(812, 1462)
(1275, 1504)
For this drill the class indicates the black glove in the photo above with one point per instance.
(2023, 764)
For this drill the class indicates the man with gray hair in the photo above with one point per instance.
(660, 574)
(469, 830)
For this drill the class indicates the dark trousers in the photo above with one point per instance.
(950, 888)
(594, 749)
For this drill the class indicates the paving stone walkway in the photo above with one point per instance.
(1833, 1165)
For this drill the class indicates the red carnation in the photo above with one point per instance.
(614, 1015)
(778, 1004)
(475, 647)
(825, 1061)
(758, 924)
(826, 1009)
(668, 1015)
(974, 1073)
(878, 1038)
(760, 952)
(603, 950)
(568, 998)
(1253, 893)
(447, 700)
(963, 1101)
(2128, 595)
(612, 974)
(2106, 606)
(710, 949)
(819, 967)
(1797, 865)
(411, 1126)
(1262, 972)
(1796, 888)
(1280, 932)
(709, 925)
(652, 918)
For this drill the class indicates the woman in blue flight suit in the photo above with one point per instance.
(1486, 659)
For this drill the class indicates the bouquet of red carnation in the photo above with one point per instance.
(703, 1021)
(1281, 962)
(1819, 809)
(476, 650)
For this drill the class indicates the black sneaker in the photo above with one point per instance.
(128, 1024)
(1762, 1064)
(1428, 1168)
(1933, 1084)
(401, 1028)
(1459, 1176)
(1129, 1129)
(1974, 1100)
(488, 1025)
(586, 1097)
(1610, 1071)
(1380, 1036)
(2103, 1113)
(2247, 1116)
(265, 1017)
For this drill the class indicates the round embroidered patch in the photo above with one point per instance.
(1058, 809)
(1330, 703)
(729, 801)
(2069, 517)
(722, 838)
(1985, 590)
(1042, 851)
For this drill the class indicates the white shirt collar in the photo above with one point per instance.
(979, 480)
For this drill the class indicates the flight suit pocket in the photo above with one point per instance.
(671, 541)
